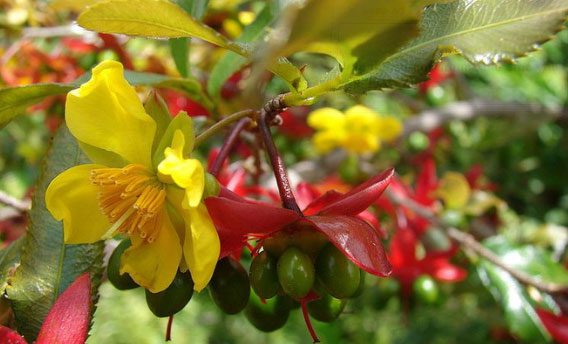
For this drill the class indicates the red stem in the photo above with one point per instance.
(278, 166)
(228, 146)
(169, 328)
(304, 304)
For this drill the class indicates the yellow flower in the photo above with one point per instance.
(141, 184)
(359, 130)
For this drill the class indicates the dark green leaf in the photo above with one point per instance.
(48, 266)
(15, 100)
(483, 31)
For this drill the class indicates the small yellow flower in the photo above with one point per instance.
(359, 130)
(152, 195)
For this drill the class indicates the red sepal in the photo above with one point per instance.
(356, 239)
(68, 320)
(9, 336)
(361, 197)
(236, 220)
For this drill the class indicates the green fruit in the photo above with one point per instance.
(361, 287)
(295, 273)
(118, 280)
(326, 308)
(229, 286)
(264, 275)
(338, 275)
(426, 290)
(268, 316)
(277, 244)
(173, 298)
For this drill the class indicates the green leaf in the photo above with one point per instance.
(179, 48)
(15, 100)
(9, 260)
(533, 260)
(232, 62)
(48, 266)
(149, 18)
(483, 31)
(519, 311)
(162, 18)
(355, 31)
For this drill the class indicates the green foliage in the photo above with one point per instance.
(15, 100)
(232, 62)
(518, 308)
(484, 32)
(47, 265)
(161, 18)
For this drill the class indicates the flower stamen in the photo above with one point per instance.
(131, 198)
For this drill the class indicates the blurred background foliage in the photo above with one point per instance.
(526, 160)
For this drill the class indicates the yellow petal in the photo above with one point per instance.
(454, 190)
(390, 128)
(325, 141)
(154, 265)
(326, 118)
(106, 113)
(188, 174)
(71, 197)
(201, 247)
(361, 120)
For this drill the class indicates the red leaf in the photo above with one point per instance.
(361, 197)
(322, 201)
(68, 320)
(556, 325)
(356, 239)
(9, 336)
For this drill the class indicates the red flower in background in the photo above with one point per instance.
(407, 267)
(332, 214)
(294, 122)
(436, 76)
(556, 325)
(178, 102)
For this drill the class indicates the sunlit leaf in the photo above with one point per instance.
(164, 19)
(48, 266)
(520, 313)
(483, 31)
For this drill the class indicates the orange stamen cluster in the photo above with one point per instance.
(132, 198)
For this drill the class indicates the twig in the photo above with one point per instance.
(468, 110)
(20, 205)
(228, 145)
(470, 242)
(215, 128)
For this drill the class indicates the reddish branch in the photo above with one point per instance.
(470, 242)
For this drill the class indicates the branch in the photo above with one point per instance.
(470, 242)
(469, 110)
(20, 205)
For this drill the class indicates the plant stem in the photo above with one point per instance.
(291, 99)
(308, 322)
(278, 166)
(13, 202)
(228, 145)
(215, 128)
(470, 242)
(169, 328)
